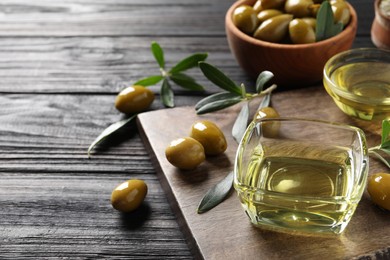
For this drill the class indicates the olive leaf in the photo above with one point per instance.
(149, 81)
(385, 144)
(186, 81)
(263, 78)
(326, 26)
(188, 63)
(218, 105)
(175, 74)
(167, 94)
(158, 54)
(109, 131)
(241, 123)
(216, 97)
(219, 78)
(216, 194)
(385, 134)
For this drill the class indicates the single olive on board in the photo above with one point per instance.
(270, 129)
(210, 136)
(134, 99)
(244, 17)
(185, 153)
(301, 32)
(129, 195)
(378, 187)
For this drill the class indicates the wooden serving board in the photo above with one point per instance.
(225, 231)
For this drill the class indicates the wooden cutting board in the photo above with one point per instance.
(225, 232)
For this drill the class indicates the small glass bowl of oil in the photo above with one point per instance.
(301, 176)
(358, 80)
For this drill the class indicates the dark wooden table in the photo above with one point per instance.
(61, 65)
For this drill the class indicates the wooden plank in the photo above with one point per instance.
(105, 65)
(55, 202)
(112, 18)
(126, 17)
(225, 232)
(54, 215)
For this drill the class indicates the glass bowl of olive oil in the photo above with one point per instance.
(299, 175)
(358, 80)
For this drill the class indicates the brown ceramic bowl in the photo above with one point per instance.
(292, 64)
(380, 30)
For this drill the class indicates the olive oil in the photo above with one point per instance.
(305, 189)
(372, 86)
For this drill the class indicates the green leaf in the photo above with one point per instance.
(215, 97)
(167, 96)
(108, 131)
(218, 105)
(149, 81)
(385, 134)
(263, 78)
(158, 54)
(186, 82)
(219, 78)
(188, 63)
(326, 27)
(241, 123)
(217, 194)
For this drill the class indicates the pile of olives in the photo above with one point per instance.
(188, 152)
(286, 21)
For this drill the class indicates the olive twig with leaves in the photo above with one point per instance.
(232, 95)
(175, 74)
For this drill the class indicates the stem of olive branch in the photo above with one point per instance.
(265, 92)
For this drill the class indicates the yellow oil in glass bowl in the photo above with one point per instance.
(359, 82)
(301, 181)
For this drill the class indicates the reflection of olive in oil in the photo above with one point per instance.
(379, 189)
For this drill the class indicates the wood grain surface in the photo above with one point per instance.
(62, 62)
(225, 232)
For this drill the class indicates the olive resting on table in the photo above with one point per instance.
(134, 99)
(270, 129)
(378, 187)
(185, 153)
(129, 195)
(286, 21)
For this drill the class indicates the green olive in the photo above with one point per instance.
(266, 14)
(310, 21)
(378, 187)
(270, 129)
(185, 153)
(129, 195)
(134, 99)
(244, 17)
(274, 29)
(341, 11)
(298, 8)
(257, 6)
(272, 4)
(301, 32)
(210, 136)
